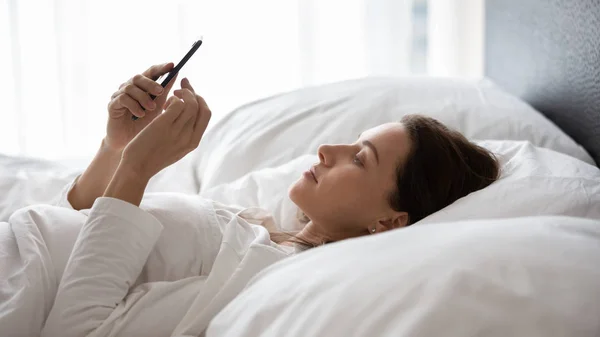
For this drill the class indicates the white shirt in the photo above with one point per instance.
(164, 268)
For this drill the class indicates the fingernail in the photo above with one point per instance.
(158, 90)
(152, 105)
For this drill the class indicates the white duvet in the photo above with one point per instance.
(122, 270)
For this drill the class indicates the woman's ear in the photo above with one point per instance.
(398, 220)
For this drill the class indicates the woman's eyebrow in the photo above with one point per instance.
(372, 147)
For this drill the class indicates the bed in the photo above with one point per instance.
(517, 258)
(514, 259)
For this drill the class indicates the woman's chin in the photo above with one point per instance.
(298, 191)
(293, 191)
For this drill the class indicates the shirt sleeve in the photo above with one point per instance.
(62, 199)
(109, 254)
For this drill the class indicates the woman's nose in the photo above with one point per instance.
(324, 153)
(328, 153)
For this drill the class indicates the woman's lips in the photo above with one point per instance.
(314, 175)
(310, 174)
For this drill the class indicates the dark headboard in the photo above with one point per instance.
(548, 53)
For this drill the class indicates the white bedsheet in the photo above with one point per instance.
(30, 181)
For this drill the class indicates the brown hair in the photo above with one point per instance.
(441, 167)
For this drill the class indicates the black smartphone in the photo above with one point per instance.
(176, 69)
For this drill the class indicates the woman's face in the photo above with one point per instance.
(346, 194)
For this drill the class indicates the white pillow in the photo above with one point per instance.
(534, 181)
(267, 189)
(535, 277)
(273, 131)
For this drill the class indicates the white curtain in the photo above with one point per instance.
(63, 59)
(455, 33)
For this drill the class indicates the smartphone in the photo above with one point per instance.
(169, 76)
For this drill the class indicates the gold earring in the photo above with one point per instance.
(373, 230)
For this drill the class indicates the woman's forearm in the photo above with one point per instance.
(127, 185)
(95, 179)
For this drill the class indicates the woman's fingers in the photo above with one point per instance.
(185, 84)
(130, 104)
(202, 120)
(173, 108)
(147, 85)
(190, 111)
(118, 92)
(160, 99)
(141, 96)
(168, 88)
(158, 70)
(196, 116)
(141, 86)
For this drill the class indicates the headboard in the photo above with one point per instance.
(548, 53)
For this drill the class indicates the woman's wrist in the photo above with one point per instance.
(112, 156)
(132, 174)
(127, 185)
(95, 179)
(107, 147)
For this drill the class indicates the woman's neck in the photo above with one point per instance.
(311, 233)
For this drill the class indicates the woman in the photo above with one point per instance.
(168, 266)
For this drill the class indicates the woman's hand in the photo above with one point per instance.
(133, 97)
(170, 136)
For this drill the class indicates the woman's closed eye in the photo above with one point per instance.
(357, 161)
